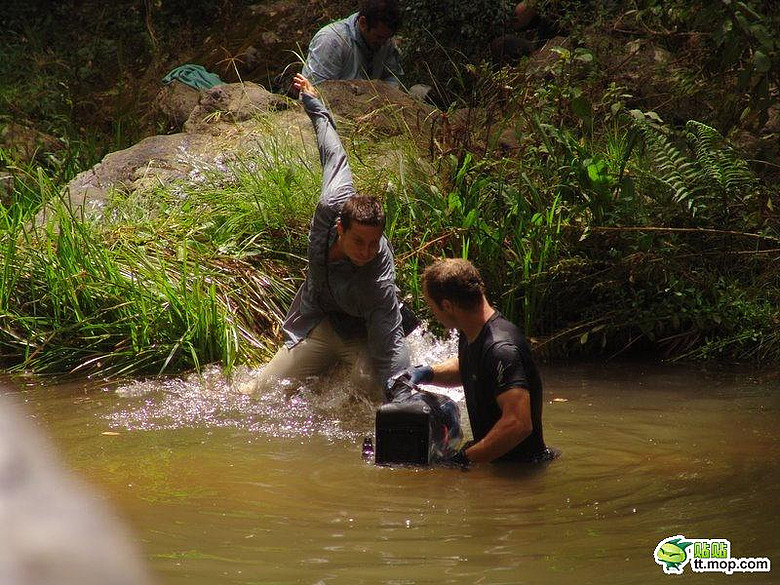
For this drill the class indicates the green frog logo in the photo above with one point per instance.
(670, 554)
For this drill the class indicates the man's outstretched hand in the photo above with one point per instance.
(304, 85)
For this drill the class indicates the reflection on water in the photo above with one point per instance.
(221, 488)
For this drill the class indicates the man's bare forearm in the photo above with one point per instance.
(509, 431)
(447, 373)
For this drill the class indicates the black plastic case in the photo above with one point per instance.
(404, 434)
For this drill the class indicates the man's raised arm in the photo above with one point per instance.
(336, 173)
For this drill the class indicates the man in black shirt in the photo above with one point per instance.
(494, 364)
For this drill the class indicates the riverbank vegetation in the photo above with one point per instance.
(610, 212)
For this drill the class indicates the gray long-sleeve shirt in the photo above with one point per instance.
(338, 51)
(360, 300)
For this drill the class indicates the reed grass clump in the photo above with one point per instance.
(184, 276)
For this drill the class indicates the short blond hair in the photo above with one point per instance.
(456, 280)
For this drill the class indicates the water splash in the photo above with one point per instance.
(427, 349)
(328, 406)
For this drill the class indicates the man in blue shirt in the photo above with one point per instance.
(359, 47)
(347, 309)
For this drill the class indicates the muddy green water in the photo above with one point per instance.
(220, 489)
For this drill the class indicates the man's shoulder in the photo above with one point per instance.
(508, 354)
(505, 339)
(340, 30)
(500, 329)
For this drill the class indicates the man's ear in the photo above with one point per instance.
(446, 305)
(339, 227)
(362, 23)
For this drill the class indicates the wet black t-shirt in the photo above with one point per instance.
(497, 360)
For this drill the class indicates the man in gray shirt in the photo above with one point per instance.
(359, 47)
(347, 310)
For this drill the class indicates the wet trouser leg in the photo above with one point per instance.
(321, 350)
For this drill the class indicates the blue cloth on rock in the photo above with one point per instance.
(193, 75)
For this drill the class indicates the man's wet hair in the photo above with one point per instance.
(381, 11)
(363, 209)
(455, 280)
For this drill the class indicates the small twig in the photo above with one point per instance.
(572, 331)
(763, 162)
(405, 257)
(618, 66)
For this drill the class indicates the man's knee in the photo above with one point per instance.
(278, 369)
(310, 357)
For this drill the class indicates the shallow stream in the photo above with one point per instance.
(222, 489)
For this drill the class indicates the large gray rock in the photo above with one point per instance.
(176, 101)
(227, 123)
(156, 156)
(53, 530)
(379, 108)
(232, 102)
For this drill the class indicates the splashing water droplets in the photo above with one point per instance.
(328, 406)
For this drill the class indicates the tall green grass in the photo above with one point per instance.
(187, 275)
(597, 237)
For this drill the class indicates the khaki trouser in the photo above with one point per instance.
(315, 355)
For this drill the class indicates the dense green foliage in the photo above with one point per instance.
(453, 26)
(600, 188)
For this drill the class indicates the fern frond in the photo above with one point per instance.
(717, 161)
(672, 167)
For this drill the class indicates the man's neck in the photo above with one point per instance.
(472, 322)
(336, 253)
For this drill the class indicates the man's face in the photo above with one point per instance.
(377, 35)
(360, 242)
(443, 312)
